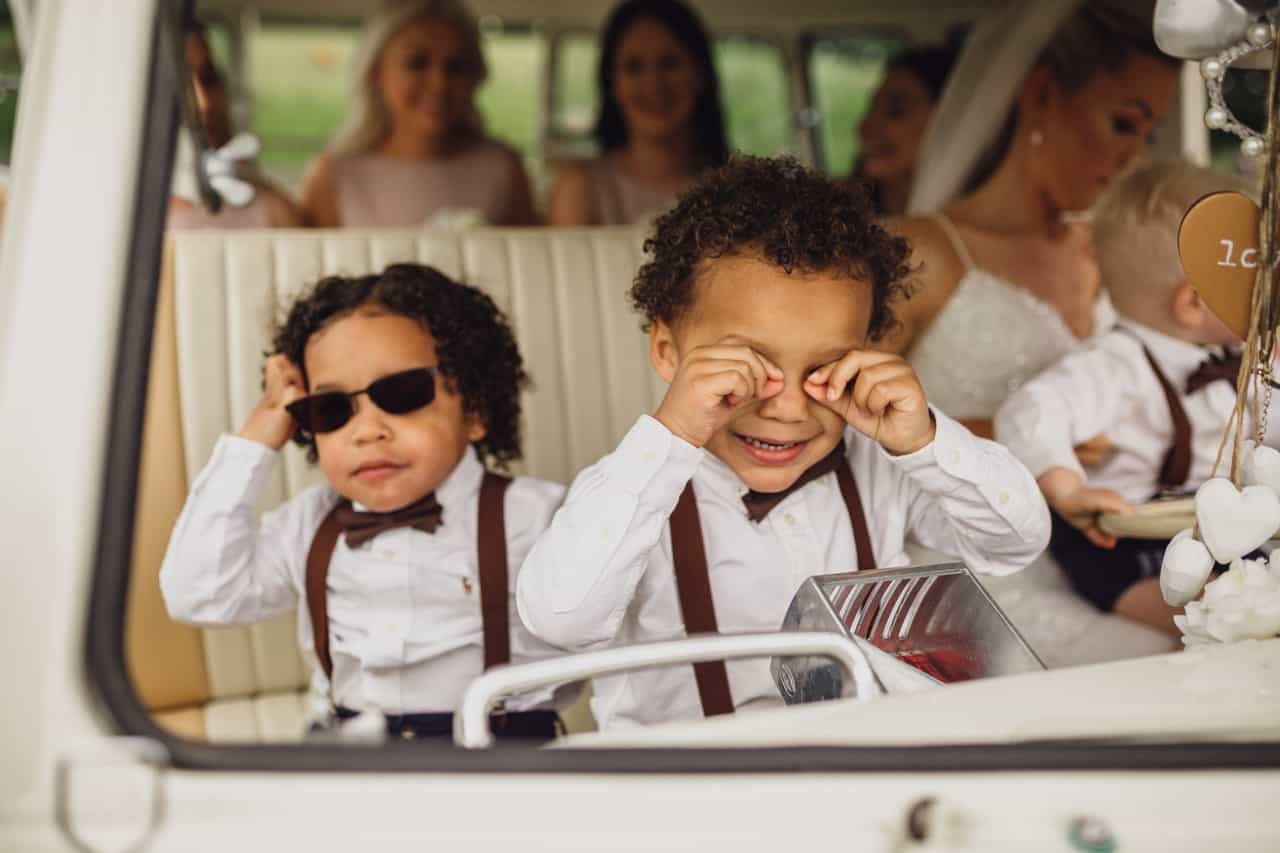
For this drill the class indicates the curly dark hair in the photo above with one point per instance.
(777, 209)
(476, 348)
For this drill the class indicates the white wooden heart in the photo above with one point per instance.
(1260, 466)
(1232, 522)
(1186, 566)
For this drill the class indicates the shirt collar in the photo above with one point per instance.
(1177, 358)
(463, 481)
(714, 473)
(460, 486)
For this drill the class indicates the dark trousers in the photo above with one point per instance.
(1101, 575)
(513, 725)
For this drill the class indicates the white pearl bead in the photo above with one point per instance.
(1211, 69)
(1258, 34)
(1252, 147)
(1216, 118)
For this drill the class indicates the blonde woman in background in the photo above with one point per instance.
(413, 147)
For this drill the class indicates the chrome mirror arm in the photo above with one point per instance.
(471, 722)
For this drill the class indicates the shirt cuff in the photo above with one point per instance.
(958, 455)
(652, 463)
(954, 453)
(237, 472)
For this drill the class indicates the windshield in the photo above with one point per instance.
(431, 192)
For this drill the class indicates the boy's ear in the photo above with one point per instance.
(662, 351)
(1186, 306)
(476, 428)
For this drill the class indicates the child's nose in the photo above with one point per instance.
(790, 404)
(369, 423)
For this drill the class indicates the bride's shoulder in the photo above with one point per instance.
(936, 269)
(936, 262)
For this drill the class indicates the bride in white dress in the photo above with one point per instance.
(1048, 103)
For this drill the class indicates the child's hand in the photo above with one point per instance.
(269, 423)
(1080, 505)
(877, 394)
(1094, 451)
(711, 385)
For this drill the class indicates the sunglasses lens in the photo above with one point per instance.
(401, 393)
(321, 412)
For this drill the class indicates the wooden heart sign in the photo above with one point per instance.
(1218, 245)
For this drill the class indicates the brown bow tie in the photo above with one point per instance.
(759, 503)
(1217, 366)
(359, 527)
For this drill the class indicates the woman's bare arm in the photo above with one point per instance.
(319, 198)
(571, 198)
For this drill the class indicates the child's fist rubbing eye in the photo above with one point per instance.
(879, 395)
(713, 384)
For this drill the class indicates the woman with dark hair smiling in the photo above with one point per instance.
(893, 128)
(660, 122)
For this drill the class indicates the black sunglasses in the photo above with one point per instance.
(397, 394)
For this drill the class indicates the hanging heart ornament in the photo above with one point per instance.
(1218, 246)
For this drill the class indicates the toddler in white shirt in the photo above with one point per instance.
(402, 385)
(785, 447)
(1159, 387)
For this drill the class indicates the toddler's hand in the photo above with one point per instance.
(877, 394)
(269, 423)
(1080, 505)
(1094, 451)
(711, 385)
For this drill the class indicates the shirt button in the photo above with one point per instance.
(1004, 498)
(647, 456)
(955, 457)
(388, 554)
(789, 519)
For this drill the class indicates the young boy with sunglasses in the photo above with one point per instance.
(785, 447)
(399, 564)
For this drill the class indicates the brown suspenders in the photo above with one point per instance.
(693, 585)
(1177, 462)
(693, 582)
(491, 551)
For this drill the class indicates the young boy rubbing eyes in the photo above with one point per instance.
(785, 447)
(396, 564)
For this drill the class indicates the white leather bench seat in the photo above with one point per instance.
(564, 292)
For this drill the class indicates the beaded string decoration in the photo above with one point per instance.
(1253, 388)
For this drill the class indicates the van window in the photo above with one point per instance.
(510, 100)
(10, 78)
(844, 71)
(753, 92)
(1245, 92)
(298, 87)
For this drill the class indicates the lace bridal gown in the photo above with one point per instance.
(989, 338)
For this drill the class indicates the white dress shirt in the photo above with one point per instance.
(603, 572)
(405, 630)
(1107, 387)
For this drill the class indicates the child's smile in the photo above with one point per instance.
(385, 461)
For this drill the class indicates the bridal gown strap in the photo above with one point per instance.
(989, 338)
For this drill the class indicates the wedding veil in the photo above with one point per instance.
(980, 92)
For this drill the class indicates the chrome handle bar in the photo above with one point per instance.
(471, 722)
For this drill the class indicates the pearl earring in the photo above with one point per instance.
(1036, 138)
